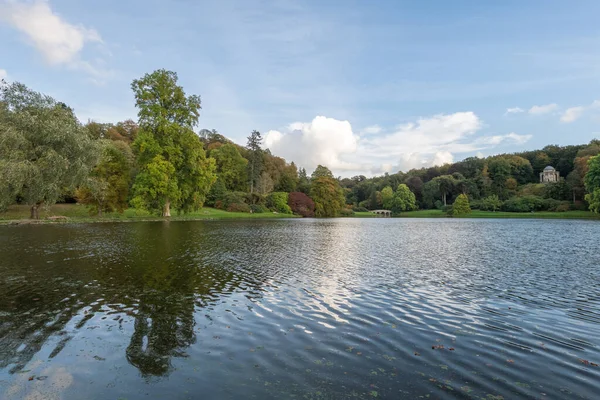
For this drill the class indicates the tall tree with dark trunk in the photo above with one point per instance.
(174, 170)
(255, 159)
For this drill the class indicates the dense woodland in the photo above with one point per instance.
(159, 164)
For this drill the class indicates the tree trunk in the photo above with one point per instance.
(167, 209)
(35, 211)
(574, 199)
(99, 211)
(444, 198)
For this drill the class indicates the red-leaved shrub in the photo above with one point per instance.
(301, 204)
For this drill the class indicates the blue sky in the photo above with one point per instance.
(363, 87)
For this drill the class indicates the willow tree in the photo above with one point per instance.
(44, 150)
(173, 167)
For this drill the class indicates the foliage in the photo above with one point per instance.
(44, 150)
(403, 200)
(346, 212)
(359, 209)
(278, 201)
(107, 187)
(524, 204)
(592, 184)
(255, 159)
(387, 197)
(264, 184)
(301, 204)
(326, 193)
(239, 207)
(173, 166)
(491, 203)
(461, 206)
(258, 208)
(231, 166)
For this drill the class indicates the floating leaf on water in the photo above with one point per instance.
(417, 353)
(31, 377)
(451, 348)
(584, 362)
(373, 393)
(593, 364)
(510, 361)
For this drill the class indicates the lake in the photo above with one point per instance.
(306, 309)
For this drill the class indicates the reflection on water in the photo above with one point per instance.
(301, 308)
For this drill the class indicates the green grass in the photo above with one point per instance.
(80, 213)
(501, 214)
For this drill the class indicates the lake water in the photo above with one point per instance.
(306, 309)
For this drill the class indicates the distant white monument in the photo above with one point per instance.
(549, 174)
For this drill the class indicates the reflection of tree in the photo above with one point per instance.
(156, 272)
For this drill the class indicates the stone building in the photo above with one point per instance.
(549, 175)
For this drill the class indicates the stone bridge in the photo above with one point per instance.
(384, 213)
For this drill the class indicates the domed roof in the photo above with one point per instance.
(549, 168)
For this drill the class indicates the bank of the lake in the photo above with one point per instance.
(490, 214)
(19, 214)
(80, 213)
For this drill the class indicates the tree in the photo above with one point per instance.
(491, 203)
(264, 184)
(403, 200)
(173, 166)
(289, 179)
(387, 197)
(278, 201)
(301, 204)
(255, 160)
(231, 166)
(303, 182)
(327, 193)
(592, 184)
(107, 188)
(44, 150)
(461, 206)
(445, 184)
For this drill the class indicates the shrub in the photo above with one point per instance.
(359, 209)
(564, 207)
(239, 207)
(258, 209)
(346, 212)
(233, 198)
(524, 204)
(278, 201)
(301, 204)
(491, 203)
(461, 206)
(551, 204)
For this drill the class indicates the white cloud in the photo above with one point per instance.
(574, 113)
(323, 141)
(545, 109)
(59, 41)
(371, 130)
(514, 110)
(425, 142)
(3, 74)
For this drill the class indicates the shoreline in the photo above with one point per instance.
(210, 214)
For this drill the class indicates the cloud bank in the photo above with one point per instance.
(425, 142)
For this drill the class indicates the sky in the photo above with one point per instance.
(363, 87)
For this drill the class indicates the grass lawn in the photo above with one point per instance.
(78, 212)
(500, 214)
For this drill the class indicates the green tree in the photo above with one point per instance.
(403, 200)
(387, 197)
(278, 201)
(255, 160)
(173, 166)
(289, 179)
(491, 203)
(107, 188)
(44, 150)
(592, 184)
(327, 193)
(461, 206)
(231, 166)
(445, 184)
